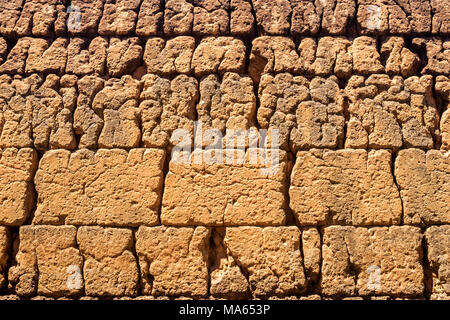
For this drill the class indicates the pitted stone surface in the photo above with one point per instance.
(107, 187)
(193, 195)
(424, 183)
(110, 268)
(438, 243)
(173, 261)
(372, 261)
(47, 262)
(4, 254)
(17, 168)
(352, 187)
(271, 256)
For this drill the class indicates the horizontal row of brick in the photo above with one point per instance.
(112, 187)
(225, 17)
(374, 112)
(240, 262)
(115, 56)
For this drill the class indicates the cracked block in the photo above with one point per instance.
(327, 56)
(38, 18)
(219, 55)
(442, 89)
(112, 120)
(226, 278)
(271, 258)
(352, 187)
(308, 114)
(17, 168)
(218, 188)
(229, 103)
(437, 52)
(169, 57)
(3, 49)
(86, 56)
(329, 17)
(84, 17)
(173, 261)
(381, 261)
(14, 62)
(110, 268)
(47, 262)
(398, 58)
(37, 111)
(438, 248)
(9, 14)
(424, 182)
(107, 187)
(272, 17)
(167, 105)
(312, 254)
(273, 55)
(178, 17)
(119, 17)
(150, 18)
(391, 112)
(242, 20)
(47, 57)
(4, 254)
(210, 18)
(123, 56)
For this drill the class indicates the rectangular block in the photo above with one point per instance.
(210, 188)
(17, 168)
(271, 258)
(372, 261)
(4, 254)
(424, 182)
(108, 187)
(352, 187)
(438, 248)
(173, 261)
(47, 262)
(110, 268)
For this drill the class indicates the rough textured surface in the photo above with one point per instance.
(107, 187)
(4, 253)
(17, 167)
(224, 149)
(270, 256)
(352, 187)
(438, 244)
(216, 194)
(424, 183)
(355, 261)
(173, 261)
(47, 262)
(110, 268)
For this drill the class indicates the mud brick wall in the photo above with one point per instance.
(94, 205)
